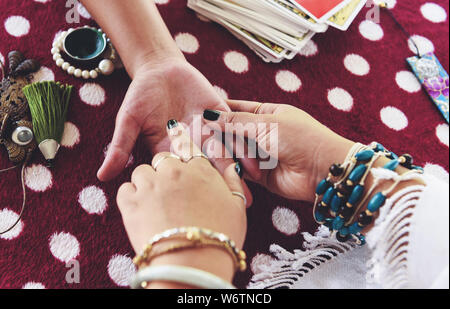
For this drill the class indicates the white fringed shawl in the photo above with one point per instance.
(407, 248)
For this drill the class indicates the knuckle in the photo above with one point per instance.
(141, 176)
(143, 168)
(158, 157)
(125, 196)
(175, 173)
(137, 171)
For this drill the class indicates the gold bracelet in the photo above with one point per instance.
(198, 237)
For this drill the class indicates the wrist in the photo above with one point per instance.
(385, 185)
(327, 154)
(155, 59)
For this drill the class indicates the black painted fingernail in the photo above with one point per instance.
(172, 124)
(211, 115)
(239, 170)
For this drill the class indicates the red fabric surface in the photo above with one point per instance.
(103, 249)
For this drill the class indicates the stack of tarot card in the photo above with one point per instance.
(278, 29)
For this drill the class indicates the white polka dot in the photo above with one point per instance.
(93, 200)
(394, 118)
(130, 158)
(71, 136)
(222, 93)
(408, 81)
(160, 2)
(340, 99)
(187, 43)
(236, 62)
(260, 262)
(33, 286)
(356, 64)
(121, 269)
(7, 219)
(309, 50)
(437, 171)
(371, 30)
(285, 220)
(83, 11)
(442, 133)
(64, 246)
(424, 45)
(38, 178)
(433, 12)
(288, 81)
(17, 26)
(2, 58)
(44, 74)
(92, 94)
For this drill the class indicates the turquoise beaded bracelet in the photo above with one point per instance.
(342, 199)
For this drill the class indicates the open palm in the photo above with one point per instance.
(157, 94)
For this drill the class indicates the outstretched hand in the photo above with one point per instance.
(171, 90)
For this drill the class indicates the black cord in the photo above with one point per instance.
(405, 32)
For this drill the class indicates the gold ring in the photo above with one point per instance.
(258, 108)
(155, 166)
(242, 196)
(200, 155)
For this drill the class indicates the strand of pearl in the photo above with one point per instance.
(105, 67)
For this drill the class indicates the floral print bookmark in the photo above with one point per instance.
(434, 79)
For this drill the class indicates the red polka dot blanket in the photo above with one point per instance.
(356, 82)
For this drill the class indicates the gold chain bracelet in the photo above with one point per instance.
(198, 238)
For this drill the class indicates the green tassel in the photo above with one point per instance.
(49, 102)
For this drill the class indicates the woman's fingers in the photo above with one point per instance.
(143, 174)
(221, 159)
(182, 144)
(261, 131)
(252, 107)
(125, 135)
(244, 106)
(164, 159)
(238, 123)
(125, 196)
(234, 182)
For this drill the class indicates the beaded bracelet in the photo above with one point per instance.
(344, 197)
(198, 237)
(105, 66)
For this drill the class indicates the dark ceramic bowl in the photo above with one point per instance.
(85, 43)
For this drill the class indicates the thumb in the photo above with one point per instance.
(118, 154)
(232, 177)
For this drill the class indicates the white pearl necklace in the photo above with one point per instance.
(105, 67)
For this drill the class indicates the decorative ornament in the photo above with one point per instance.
(15, 127)
(434, 80)
(85, 45)
(49, 102)
(428, 70)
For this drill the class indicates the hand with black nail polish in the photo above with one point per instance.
(302, 147)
